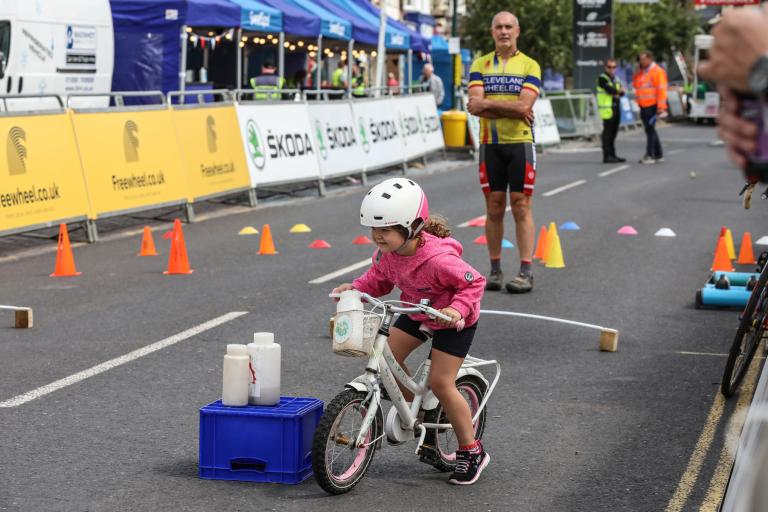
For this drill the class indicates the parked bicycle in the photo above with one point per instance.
(750, 333)
(352, 427)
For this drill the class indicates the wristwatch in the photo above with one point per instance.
(758, 75)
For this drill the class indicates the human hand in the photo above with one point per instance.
(341, 288)
(663, 114)
(529, 117)
(455, 317)
(475, 105)
(740, 39)
(739, 135)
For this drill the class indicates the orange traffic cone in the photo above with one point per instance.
(266, 246)
(65, 261)
(722, 263)
(548, 242)
(147, 243)
(178, 262)
(539, 253)
(746, 256)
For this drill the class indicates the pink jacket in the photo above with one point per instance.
(436, 272)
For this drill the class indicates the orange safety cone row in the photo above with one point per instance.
(539, 253)
(65, 261)
(147, 243)
(721, 262)
(267, 245)
(178, 262)
(746, 255)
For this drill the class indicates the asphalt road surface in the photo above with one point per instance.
(570, 428)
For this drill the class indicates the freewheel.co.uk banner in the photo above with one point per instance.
(130, 159)
(338, 138)
(419, 125)
(279, 143)
(42, 181)
(378, 124)
(211, 149)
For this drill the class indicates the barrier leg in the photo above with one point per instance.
(91, 231)
(404, 167)
(321, 188)
(253, 199)
(364, 178)
(189, 212)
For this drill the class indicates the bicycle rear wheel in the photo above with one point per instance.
(748, 337)
(338, 464)
(440, 445)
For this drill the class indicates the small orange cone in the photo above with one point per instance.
(319, 244)
(722, 263)
(266, 246)
(746, 256)
(178, 262)
(481, 240)
(539, 253)
(548, 242)
(362, 240)
(65, 261)
(147, 243)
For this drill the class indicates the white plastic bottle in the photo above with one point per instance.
(264, 383)
(234, 390)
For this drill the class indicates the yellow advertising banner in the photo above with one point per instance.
(130, 159)
(212, 150)
(42, 180)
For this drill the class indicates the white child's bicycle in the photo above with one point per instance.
(352, 426)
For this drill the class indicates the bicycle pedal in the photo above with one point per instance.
(428, 455)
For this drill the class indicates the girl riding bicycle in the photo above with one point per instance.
(416, 254)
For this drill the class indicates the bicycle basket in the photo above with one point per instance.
(354, 333)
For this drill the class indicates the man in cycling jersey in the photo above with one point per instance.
(503, 86)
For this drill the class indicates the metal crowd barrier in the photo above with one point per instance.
(117, 101)
(576, 113)
(270, 95)
(201, 97)
(26, 98)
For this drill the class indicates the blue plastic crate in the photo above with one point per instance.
(259, 443)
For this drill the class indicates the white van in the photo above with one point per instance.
(55, 47)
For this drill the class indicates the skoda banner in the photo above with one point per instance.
(419, 125)
(592, 40)
(338, 141)
(280, 145)
(378, 127)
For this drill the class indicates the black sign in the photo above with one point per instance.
(592, 40)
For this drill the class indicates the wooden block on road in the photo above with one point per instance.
(23, 318)
(609, 340)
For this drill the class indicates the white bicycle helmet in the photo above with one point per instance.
(395, 202)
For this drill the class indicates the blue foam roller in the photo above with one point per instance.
(737, 296)
(737, 278)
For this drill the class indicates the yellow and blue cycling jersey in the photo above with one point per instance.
(505, 81)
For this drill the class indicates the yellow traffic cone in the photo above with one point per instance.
(555, 256)
(729, 244)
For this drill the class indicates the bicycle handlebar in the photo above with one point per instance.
(415, 308)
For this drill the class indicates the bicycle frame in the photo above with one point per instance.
(382, 363)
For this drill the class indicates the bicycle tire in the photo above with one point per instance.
(438, 450)
(327, 435)
(748, 337)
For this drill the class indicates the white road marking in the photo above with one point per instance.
(118, 361)
(566, 151)
(563, 188)
(613, 171)
(466, 224)
(341, 272)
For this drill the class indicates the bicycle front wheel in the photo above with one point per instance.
(748, 336)
(337, 463)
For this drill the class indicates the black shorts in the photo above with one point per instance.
(450, 341)
(508, 167)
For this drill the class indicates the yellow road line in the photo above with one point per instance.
(691, 474)
(733, 432)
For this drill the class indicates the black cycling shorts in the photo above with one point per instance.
(508, 167)
(450, 341)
